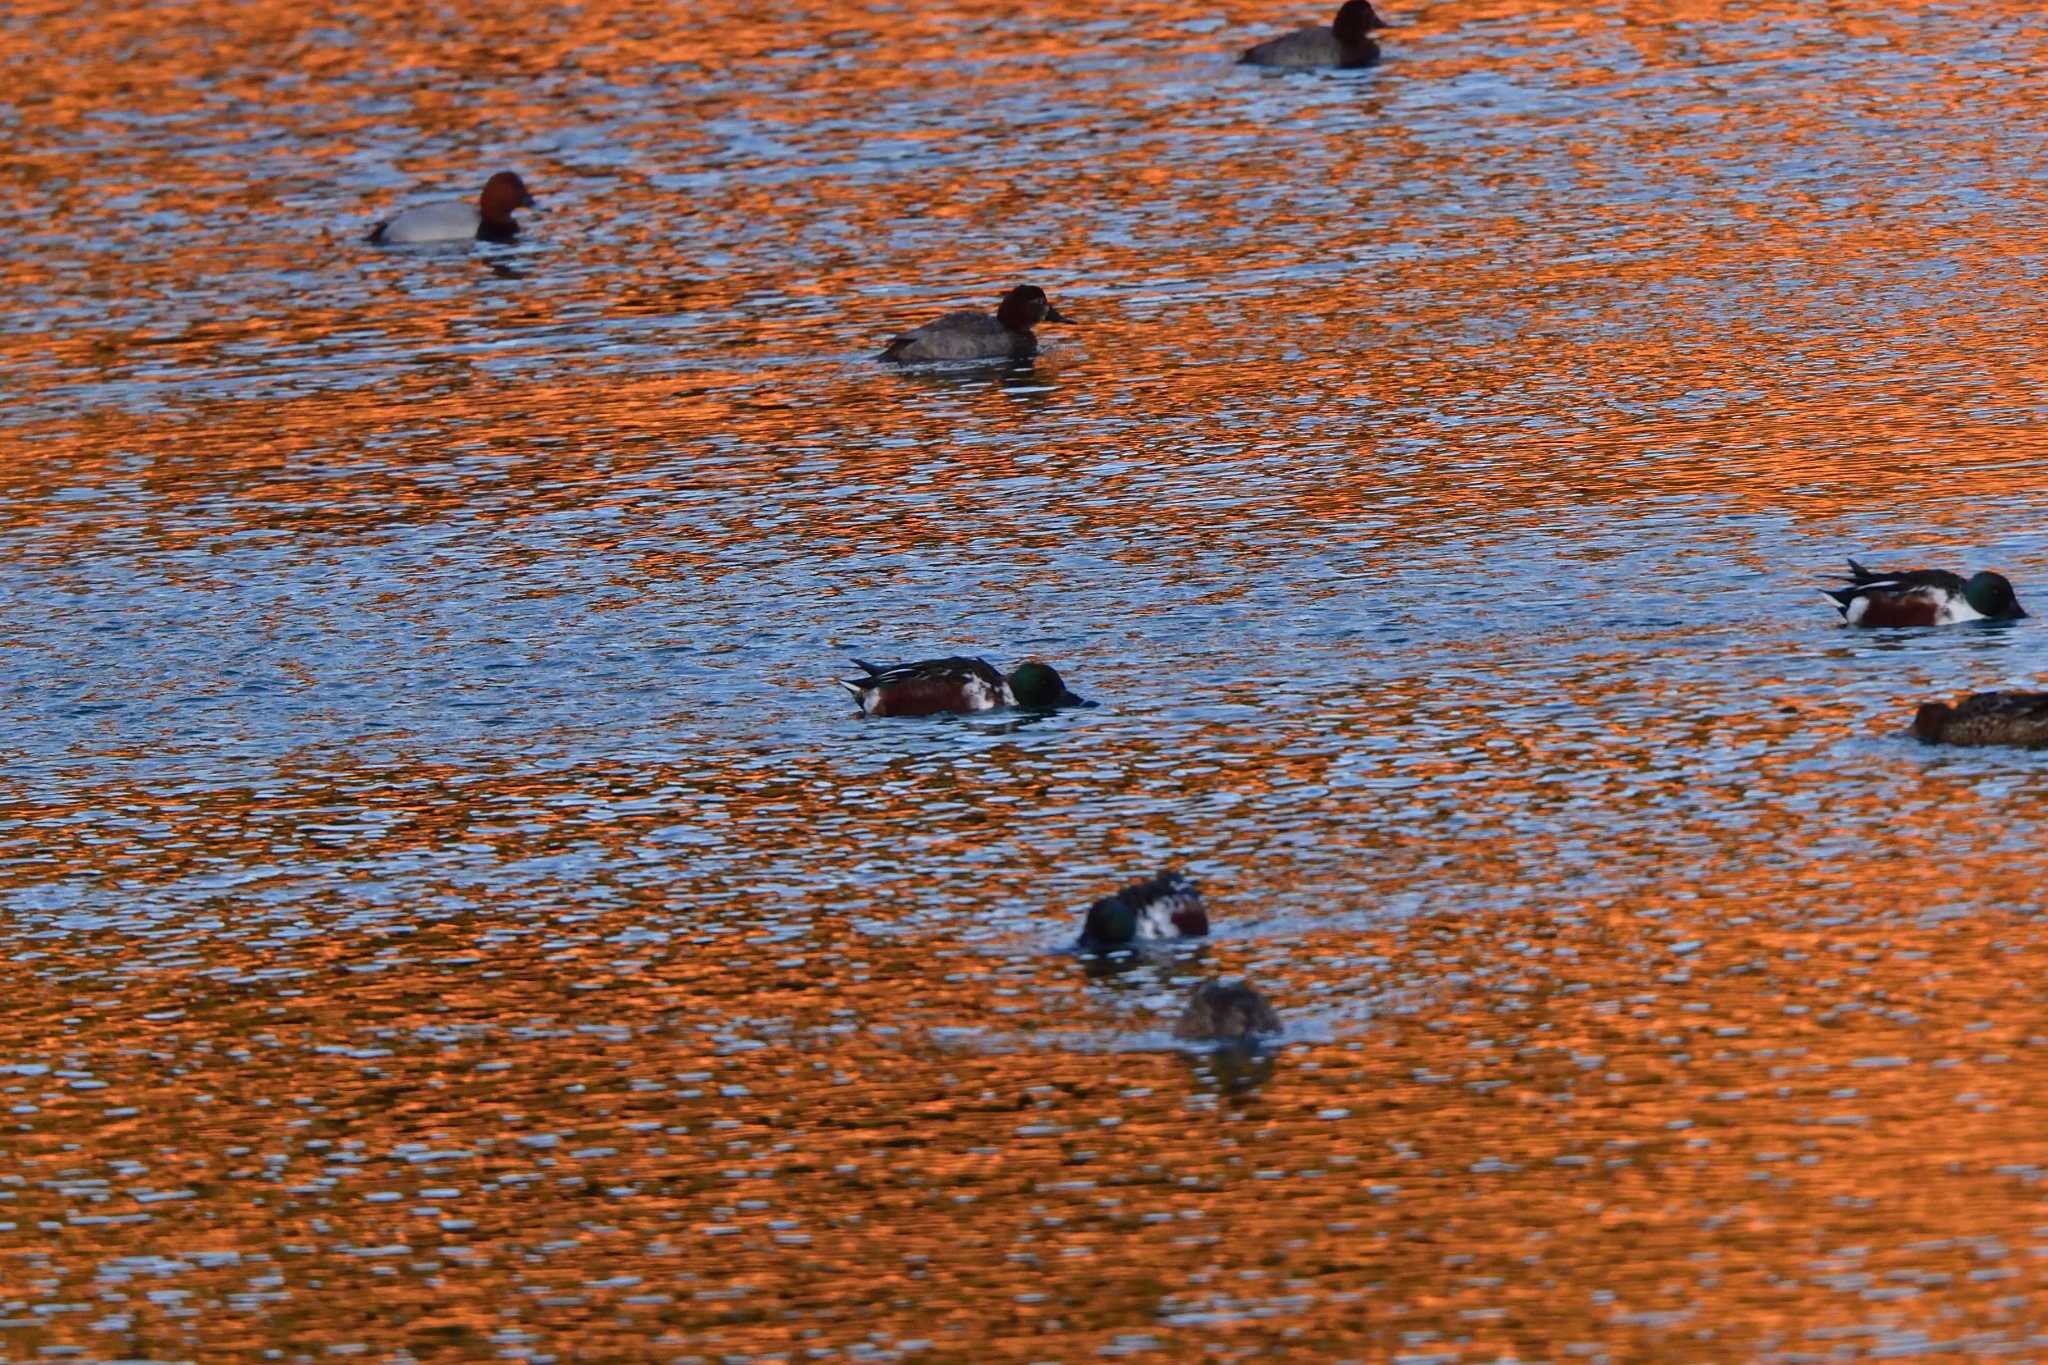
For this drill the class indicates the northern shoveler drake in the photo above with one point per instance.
(2019, 719)
(1165, 906)
(1217, 1013)
(967, 335)
(930, 686)
(1923, 597)
(1342, 43)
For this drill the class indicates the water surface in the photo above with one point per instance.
(452, 913)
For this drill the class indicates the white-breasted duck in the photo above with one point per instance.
(931, 686)
(1923, 597)
(1162, 907)
(488, 220)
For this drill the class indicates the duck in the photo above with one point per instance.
(1161, 907)
(1220, 1013)
(2019, 719)
(1342, 44)
(931, 686)
(1923, 597)
(489, 220)
(1002, 335)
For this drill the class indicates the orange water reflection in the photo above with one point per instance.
(1649, 998)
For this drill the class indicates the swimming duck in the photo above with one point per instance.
(1923, 597)
(1002, 335)
(930, 686)
(1217, 1013)
(490, 220)
(2016, 718)
(1165, 906)
(1342, 44)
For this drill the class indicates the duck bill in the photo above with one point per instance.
(1069, 699)
(1053, 314)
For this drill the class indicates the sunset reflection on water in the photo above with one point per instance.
(454, 915)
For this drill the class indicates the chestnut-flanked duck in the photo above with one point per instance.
(1002, 335)
(930, 686)
(1923, 597)
(488, 220)
(1220, 1013)
(1343, 43)
(2019, 719)
(1161, 907)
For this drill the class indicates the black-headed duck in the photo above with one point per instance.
(1344, 42)
(1002, 335)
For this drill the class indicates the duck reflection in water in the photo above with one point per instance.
(1021, 381)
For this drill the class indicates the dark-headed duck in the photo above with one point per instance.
(1002, 335)
(1923, 597)
(488, 220)
(931, 686)
(1163, 907)
(1346, 42)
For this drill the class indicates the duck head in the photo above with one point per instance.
(1112, 922)
(1356, 19)
(1038, 687)
(1930, 722)
(1991, 595)
(503, 193)
(1025, 307)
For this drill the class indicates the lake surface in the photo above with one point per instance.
(450, 912)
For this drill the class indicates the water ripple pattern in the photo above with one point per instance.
(451, 913)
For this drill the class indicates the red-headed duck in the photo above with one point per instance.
(488, 220)
(1002, 335)
(1343, 44)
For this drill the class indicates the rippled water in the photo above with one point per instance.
(452, 913)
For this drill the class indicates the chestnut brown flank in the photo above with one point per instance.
(1910, 609)
(917, 697)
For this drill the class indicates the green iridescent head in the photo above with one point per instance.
(1038, 687)
(1991, 595)
(1111, 921)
